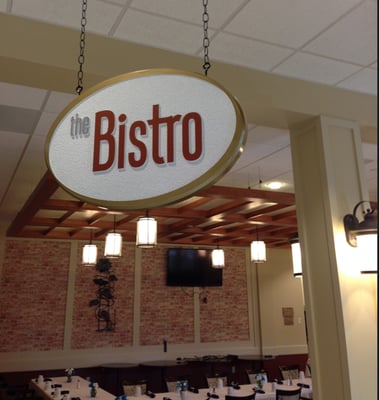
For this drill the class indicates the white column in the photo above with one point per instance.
(341, 304)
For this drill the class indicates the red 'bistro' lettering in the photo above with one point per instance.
(106, 129)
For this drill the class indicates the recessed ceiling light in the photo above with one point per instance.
(274, 185)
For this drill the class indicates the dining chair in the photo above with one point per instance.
(18, 392)
(212, 380)
(251, 375)
(282, 394)
(248, 397)
(172, 382)
(289, 371)
(129, 387)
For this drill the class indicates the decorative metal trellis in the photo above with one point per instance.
(104, 302)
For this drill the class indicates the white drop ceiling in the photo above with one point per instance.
(326, 44)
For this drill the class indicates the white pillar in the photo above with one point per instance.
(341, 304)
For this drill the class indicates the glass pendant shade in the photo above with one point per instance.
(258, 251)
(218, 258)
(89, 254)
(368, 249)
(146, 232)
(296, 259)
(113, 245)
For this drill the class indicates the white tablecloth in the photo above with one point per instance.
(243, 391)
(77, 388)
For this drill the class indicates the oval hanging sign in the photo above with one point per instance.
(146, 139)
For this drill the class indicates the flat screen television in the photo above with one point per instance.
(191, 267)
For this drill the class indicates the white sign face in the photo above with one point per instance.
(146, 139)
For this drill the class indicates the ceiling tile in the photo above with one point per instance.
(27, 173)
(351, 39)
(290, 23)
(21, 96)
(34, 156)
(262, 143)
(315, 69)
(365, 81)
(247, 52)
(12, 147)
(267, 165)
(269, 136)
(160, 32)
(44, 124)
(256, 173)
(266, 149)
(100, 15)
(58, 101)
(185, 10)
(121, 2)
(3, 5)
(15, 119)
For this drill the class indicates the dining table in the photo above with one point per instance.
(268, 392)
(78, 388)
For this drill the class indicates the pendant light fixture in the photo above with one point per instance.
(113, 243)
(89, 254)
(296, 255)
(146, 236)
(218, 258)
(258, 251)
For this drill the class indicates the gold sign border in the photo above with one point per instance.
(213, 174)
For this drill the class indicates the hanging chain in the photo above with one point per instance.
(79, 88)
(206, 64)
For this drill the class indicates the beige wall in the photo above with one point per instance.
(279, 288)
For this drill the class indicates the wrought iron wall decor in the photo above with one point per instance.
(104, 302)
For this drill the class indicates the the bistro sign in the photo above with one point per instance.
(146, 139)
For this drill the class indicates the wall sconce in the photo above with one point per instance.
(363, 235)
(218, 258)
(113, 243)
(296, 256)
(89, 254)
(258, 251)
(146, 236)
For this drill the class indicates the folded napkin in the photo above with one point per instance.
(259, 391)
(213, 395)
(236, 386)
(65, 391)
(150, 394)
(166, 398)
(303, 385)
(193, 389)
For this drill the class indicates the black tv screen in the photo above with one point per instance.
(191, 267)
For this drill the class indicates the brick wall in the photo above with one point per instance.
(33, 295)
(166, 312)
(224, 310)
(35, 284)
